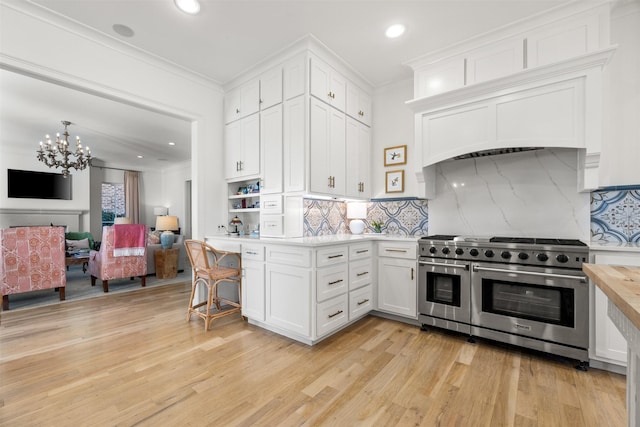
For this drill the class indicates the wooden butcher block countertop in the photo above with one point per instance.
(621, 284)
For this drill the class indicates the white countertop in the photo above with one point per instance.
(313, 241)
(615, 246)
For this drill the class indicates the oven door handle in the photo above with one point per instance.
(583, 279)
(441, 264)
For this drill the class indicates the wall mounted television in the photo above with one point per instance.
(38, 185)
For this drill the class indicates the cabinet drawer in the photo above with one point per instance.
(288, 255)
(332, 314)
(360, 251)
(360, 273)
(271, 204)
(331, 281)
(407, 250)
(360, 302)
(271, 225)
(331, 255)
(254, 253)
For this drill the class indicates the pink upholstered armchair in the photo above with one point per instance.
(105, 266)
(32, 258)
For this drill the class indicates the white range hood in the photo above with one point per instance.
(553, 105)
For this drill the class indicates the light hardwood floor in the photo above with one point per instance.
(132, 359)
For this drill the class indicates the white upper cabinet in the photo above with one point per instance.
(327, 142)
(358, 146)
(295, 77)
(271, 88)
(271, 146)
(328, 85)
(358, 104)
(242, 148)
(242, 101)
(294, 139)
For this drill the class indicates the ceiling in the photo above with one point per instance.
(225, 39)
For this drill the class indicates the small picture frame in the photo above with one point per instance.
(395, 181)
(395, 155)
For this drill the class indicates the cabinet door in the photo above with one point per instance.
(294, 137)
(271, 88)
(250, 98)
(295, 74)
(289, 298)
(271, 145)
(358, 104)
(232, 142)
(358, 148)
(232, 105)
(327, 140)
(250, 148)
(328, 85)
(397, 290)
(253, 294)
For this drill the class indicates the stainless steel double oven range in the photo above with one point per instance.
(524, 291)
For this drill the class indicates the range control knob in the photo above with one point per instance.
(433, 249)
(523, 255)
(474, 252)
(445, 251)
(562, 258)
(542, 257)
(505, 254)
(459, 251)
(488, 253)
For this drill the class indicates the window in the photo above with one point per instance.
(112, 202)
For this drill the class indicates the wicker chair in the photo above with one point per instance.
(207, 270)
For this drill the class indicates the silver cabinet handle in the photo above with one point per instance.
(335, 314)
(404, 251)
(251, 253)
(364, 301)
(362, 274)
(335, 256)
(531, 273)
(412, 271)
(362, 251)
(335, 282)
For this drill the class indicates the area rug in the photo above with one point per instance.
(79, 287)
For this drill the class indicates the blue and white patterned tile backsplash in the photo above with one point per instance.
(615, 215)
(399, 217)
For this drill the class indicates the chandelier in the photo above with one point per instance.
(57, 155)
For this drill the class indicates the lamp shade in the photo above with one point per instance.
(356, 210)
(167, 222)
(122, 220)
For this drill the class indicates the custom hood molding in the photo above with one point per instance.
(553, 105)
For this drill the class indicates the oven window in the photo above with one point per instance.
(541, 303)
(443, 288)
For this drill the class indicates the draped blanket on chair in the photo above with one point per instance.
(128, 239)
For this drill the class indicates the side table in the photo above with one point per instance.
(166, 263)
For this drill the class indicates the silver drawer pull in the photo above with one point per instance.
(335, 314)
(362, 274)
(363, 251)
(364, 301)
(335, 281)
(251, 253)
(335, 256)
(404, 251)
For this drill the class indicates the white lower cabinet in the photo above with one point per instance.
(397, 288)
(332, 314)
(288, 298)
(360, 302)
(608, 345)
(253, 282)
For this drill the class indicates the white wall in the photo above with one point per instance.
(95, 63)
(392, 126)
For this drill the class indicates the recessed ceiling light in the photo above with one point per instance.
(172, 143)
(394, 31)
(140, 157)
(123, 30)
(192, 7)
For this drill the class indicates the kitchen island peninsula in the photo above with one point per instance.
(621, 285)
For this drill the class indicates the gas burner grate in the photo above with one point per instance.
(439, 237)
(525, 240)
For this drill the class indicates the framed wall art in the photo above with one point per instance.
(395, 155)
(395, 181)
